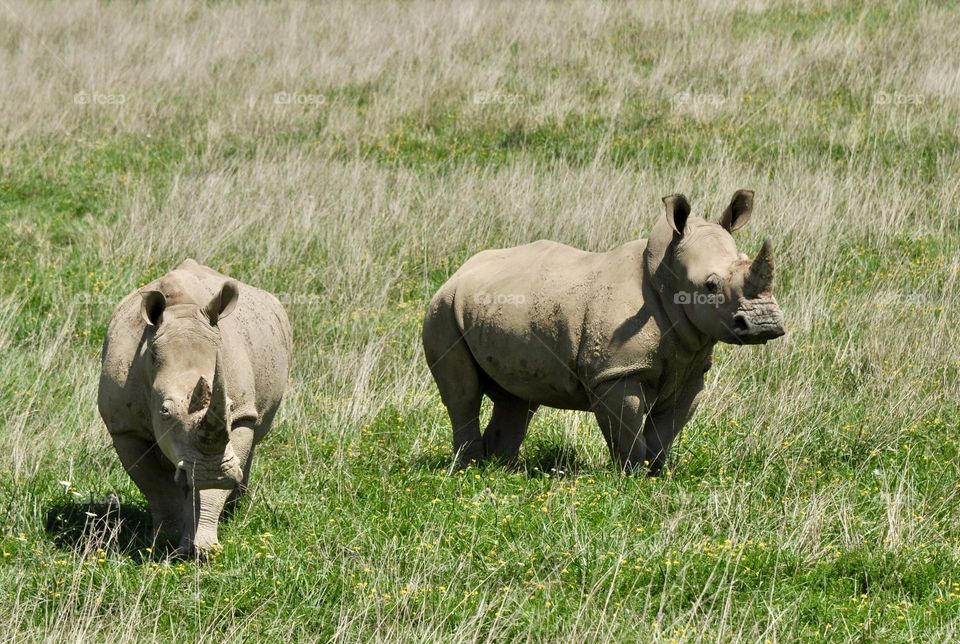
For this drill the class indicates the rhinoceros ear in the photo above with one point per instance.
(223, 302)
(678, 210)
(152, 305)
(738, 212)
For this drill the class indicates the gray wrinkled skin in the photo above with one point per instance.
(194, 366)
(626, 334)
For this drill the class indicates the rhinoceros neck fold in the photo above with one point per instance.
(660, 282)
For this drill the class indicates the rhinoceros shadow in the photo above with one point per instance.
(555, 460)
(534, 461)
(86, 526)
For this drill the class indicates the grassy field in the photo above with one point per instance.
(349, 157)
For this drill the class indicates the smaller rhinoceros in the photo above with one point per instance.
(626, 334)
(193, 369)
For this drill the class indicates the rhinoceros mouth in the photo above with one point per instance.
(759, 336)
(757, 322)
(207, 474)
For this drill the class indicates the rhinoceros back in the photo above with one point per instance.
(520, 311)
(548, 322)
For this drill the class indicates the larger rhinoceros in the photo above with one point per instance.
(194, 366)
(627, 334)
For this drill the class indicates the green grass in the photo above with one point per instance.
(394, 530)
(814, 494)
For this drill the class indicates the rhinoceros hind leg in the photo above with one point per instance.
(463, 406)
(508, 427)
(458, 380)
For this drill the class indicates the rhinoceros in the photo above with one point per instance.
(626, 334)
(194, 366)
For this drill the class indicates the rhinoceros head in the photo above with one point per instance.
(725, 295)
(188, 397)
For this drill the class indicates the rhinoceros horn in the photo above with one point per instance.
(761, 270)
(212, 435)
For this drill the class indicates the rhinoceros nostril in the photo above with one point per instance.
(740, 322)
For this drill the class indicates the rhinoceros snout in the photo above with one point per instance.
(206, 474)
(756, 323)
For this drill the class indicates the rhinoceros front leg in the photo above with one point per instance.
(663, 425)
(164, 499)
(202, 509)
(620, 407)
(201, 518)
